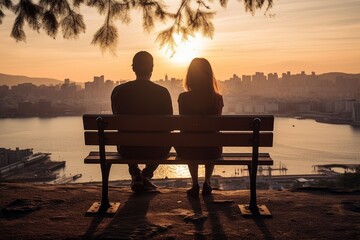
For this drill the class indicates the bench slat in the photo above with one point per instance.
(176, 122)
(226, 159)
(179, 139)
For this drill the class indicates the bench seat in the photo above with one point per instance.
(226, 159)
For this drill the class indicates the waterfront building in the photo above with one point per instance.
(356, 113)
(271, 107)
(303, 107)
(25, 108)
(43, 107)
(8, 156)
(248, 109)
(259, 108)
(239, 108)
(344, 106)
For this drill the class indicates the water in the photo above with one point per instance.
(298, 144)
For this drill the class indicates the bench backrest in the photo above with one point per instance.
(196, 131)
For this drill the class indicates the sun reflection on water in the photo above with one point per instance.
(176, 171)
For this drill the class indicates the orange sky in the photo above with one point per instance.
(309, 35)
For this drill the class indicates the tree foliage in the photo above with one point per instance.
(53, 15)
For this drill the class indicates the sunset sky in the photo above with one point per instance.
(305, 35)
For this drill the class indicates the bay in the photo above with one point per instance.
(298, 145)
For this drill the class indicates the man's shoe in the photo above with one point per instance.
(148, 185)
(137, 184)
(207, 189)
(193, 191)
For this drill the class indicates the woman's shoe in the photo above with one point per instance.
(207, 189)
(193, 191)
(137, 184)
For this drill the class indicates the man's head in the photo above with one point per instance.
(143, 64)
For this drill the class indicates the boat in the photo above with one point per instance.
(64, 179)
(77, 176)
(37, 157)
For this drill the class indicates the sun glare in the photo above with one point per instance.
(185, 50)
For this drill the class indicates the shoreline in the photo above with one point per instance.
(275, 182)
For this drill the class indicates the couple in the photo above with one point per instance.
(144, 97)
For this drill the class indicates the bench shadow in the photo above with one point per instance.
(128, 223)
(197, 219)
(215, 221)
(93, 226)
(259, 221)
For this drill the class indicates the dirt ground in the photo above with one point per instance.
(58, 212)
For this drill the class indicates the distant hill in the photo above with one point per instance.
(333, 75)
(12, 80)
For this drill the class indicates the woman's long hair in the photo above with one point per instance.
(200, 77)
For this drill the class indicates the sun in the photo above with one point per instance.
(185, 50)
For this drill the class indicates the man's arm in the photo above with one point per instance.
(169, 108)
(113, 100)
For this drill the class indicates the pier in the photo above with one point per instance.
(33, 168)
(329, 167)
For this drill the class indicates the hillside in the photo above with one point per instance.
(12, 80)
(333, 75)
(57, 212)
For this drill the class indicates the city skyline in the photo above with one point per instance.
(303, 36)
(333, 100)
(13, 80)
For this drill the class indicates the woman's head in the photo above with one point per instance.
(200, 76)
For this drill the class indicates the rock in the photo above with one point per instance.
(220, 201)
(146, 231)
(195, 218)
(351, 206)
(23, 206)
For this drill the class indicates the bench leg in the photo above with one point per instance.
(104, 207)
(253, 209)
(105, 171)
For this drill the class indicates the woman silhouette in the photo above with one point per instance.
(201, 98)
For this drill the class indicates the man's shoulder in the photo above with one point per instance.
(124, 85)
(156, 85)
(140, 87)
(140, 84)
(156, 88)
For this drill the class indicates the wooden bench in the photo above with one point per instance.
(197, 131)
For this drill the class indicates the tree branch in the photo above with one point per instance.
(186, 21)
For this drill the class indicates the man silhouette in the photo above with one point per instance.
(142, 97)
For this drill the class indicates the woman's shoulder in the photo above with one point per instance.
(193, 94)
(218, 97)
(184, 95)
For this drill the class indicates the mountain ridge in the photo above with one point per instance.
(12, 80)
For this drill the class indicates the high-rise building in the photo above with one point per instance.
(286, 76)
(235, 78)
(273, 77)
(246, 79)
(259, 77)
